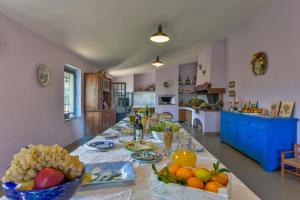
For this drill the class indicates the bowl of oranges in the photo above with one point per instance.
(177, 182)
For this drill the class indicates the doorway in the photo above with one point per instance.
(121, 102)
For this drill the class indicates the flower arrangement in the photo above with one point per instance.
(259, 63)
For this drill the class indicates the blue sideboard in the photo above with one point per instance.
(261, 138)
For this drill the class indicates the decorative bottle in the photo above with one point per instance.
(179, 80)
(187, 80)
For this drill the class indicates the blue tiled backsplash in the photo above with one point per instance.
(144, 98)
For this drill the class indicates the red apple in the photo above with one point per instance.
(47, 178)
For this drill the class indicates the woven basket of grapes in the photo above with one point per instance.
(42, 172)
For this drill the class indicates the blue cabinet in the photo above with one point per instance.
(261, 138)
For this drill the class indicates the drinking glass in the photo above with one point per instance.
(168, 139)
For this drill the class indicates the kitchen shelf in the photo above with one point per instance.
(144, 91)
(188, 94)
(183, 84)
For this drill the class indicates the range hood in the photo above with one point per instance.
(206, 88)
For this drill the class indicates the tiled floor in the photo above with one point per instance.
(269, 186)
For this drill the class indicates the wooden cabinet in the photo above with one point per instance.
(106, 85)
(188, 116)
(92, 122)
(92, 96)
(99, 115)
(181, 115)
(185, 115)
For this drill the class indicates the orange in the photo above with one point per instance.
(173, 168)
(220, 178)
(195, 183)
(213, 186)
(184, 173)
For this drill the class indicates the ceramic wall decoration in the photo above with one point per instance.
(286, 108)
(231, 84)
(259, 63)
(274, 108)
(43, 75)
(167, 84)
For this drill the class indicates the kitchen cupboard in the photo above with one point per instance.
(97, 103)
(181, 115)
(261, 138)
(185, 115)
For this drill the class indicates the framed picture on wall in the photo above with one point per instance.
(286, 108)
(231, 84)
(231, 93)
(274, 108)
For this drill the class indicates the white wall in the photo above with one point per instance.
(275, 30)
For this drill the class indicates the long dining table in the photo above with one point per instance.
(140, 189)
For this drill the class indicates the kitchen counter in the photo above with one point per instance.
(209, 119)
(198, 109)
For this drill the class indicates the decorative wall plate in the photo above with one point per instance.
(167, 84)
(259, 63)
(43, 75)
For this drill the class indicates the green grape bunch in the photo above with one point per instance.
(29, 161)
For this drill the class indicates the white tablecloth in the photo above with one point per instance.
(140, 191)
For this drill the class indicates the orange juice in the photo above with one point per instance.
(185, 157)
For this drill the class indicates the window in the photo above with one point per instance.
(71, 92)
(144, 98)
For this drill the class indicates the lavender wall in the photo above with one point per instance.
(274, 29)
(143, 80)
(188, 70)
(213, 61)
(31, 114)
(128, 79)
(169, 73)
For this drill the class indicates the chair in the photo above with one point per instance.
(292, 162)
(165, 116)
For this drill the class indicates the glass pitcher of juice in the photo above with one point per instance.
(184, 154)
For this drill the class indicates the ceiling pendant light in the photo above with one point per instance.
(159, 36)
(157, 62)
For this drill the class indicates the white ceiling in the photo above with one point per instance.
(114, 34)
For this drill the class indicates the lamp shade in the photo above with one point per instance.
(159, 36)
(157, 62)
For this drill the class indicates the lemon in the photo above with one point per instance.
(203, 173)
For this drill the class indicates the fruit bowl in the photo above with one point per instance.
(61, 192)
(173, 191)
